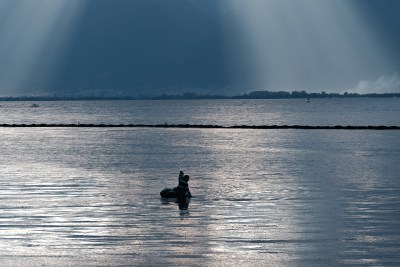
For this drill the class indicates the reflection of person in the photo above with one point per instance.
(183, 186)
(183, 203)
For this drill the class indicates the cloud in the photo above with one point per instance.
(384, 84)
(213, 46)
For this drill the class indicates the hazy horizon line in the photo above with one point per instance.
(259, 94)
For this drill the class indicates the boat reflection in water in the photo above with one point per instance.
(183, 203)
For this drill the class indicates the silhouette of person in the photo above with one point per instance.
(183, 185)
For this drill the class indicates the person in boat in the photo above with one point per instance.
(181, 191)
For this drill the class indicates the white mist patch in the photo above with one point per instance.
(310, 45)
(33, 34)
(384, 84)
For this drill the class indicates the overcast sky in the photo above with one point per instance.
(147, 47)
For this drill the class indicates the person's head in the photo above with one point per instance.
(186, 178)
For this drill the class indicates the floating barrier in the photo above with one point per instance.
(200, 126)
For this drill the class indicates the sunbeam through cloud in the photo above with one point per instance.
(310, 44)
(141, 48)
(33, 33)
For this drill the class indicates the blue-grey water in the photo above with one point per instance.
(90, 197)
(331, 112)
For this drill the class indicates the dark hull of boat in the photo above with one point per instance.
(171, 193)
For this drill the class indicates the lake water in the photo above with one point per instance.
(330, 112)
(90, 196)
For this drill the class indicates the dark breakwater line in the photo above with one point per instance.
(200, 126)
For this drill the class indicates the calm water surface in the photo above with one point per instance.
(90, 197)
(368, 111)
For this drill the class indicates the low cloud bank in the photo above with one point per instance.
(384, 84)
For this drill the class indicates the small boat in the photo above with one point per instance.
(34, 106)
(173, 193)
(169, 195)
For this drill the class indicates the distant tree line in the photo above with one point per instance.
(304, 94)
(273, 95)
(192, 95)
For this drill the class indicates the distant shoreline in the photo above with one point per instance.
(195, 96)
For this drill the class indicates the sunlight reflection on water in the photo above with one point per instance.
(91, 197)
(358, 111)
